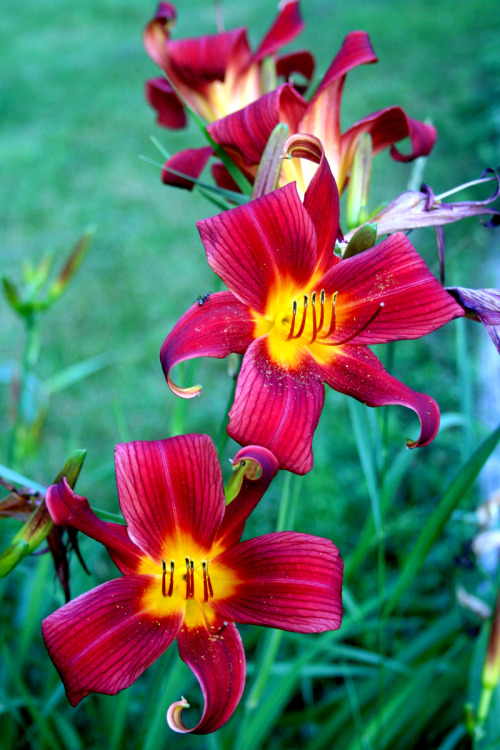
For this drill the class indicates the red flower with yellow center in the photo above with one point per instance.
(302, 316)
(186, 575)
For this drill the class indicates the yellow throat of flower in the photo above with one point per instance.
(295, 321)
(188, 579)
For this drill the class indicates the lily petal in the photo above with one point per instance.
(157, 33)
(386, 127)
(321, 199)
(251, 491)
(323, 114)
(285, 28)
(69, 509)
(218, 662)
(287, 580)
(291, 401)
(189, 162)
(202, 59)
(103, 640)
(169, 108)
(394, 275)
(422, 137)
(253, 247)
(357, 372)
(295, 62)
(221, 325)
(170, 491)
(247, 131)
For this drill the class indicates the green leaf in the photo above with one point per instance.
(436, 523)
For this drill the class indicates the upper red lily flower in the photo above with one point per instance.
(303, 316)
(218, 74)
(245, 133)
(186, 575)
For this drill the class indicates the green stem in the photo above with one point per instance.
(269, 643)
(466, 396)
(30, 356)
(222, 436)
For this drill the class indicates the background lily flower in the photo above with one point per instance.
(302, 316)
(218, 74)
(186, 575)
(245, 132)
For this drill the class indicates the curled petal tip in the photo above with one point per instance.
(258, 455)
(174, 720)
(189, 392)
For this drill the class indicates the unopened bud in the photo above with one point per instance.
(71, 266)
(270, 164)
(362, 240)
(359, 183)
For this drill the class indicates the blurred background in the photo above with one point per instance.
(73, 123)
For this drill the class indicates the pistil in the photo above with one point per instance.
(189, 577)
(362, 328)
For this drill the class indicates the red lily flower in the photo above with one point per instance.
(218, 74)
(186, 575)
(303, 316)
(245, 133)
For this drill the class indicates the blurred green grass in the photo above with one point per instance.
(72, 125)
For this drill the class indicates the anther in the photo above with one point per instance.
(303, 324)
(294, 313)
(163, 587)
(171, 584)
(333, 319)
(322, 313)
(207, 585)
(189, 579)
(315, 324)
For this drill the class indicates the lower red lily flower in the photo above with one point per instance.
(186, 575)
(302, 316)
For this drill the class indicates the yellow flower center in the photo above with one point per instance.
(188, 579)
(296, 320)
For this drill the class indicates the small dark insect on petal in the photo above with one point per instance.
(201, 298)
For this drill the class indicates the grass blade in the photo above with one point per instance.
(436, 523)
